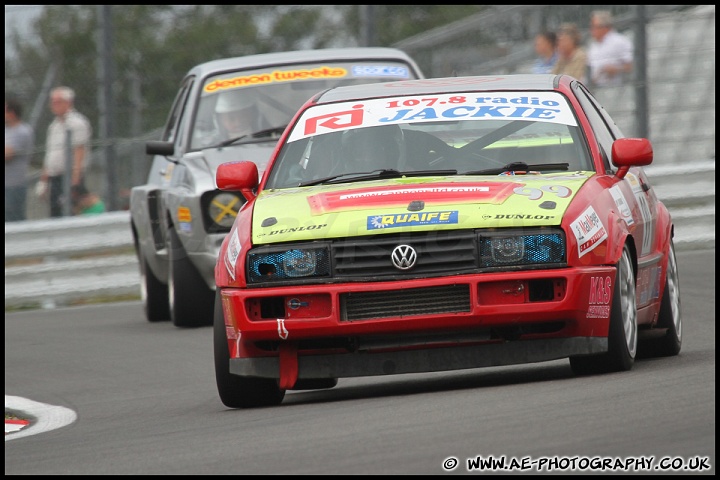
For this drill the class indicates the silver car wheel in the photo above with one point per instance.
(673, 285)
(627, 302)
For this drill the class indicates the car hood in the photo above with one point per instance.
(258, 153)
(413, 204)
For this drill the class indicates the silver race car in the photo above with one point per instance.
(226, 110)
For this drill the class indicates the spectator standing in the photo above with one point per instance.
(572, 57)
(610, 54)
(54, 165)
(546, 50)
(19, 144)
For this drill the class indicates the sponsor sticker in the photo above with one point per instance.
(380, 71)
(648, 284)
(184, 214)
(395, 220)
(296, 229)
(487, 192)
(622, 204)
(588, 230)
(599, 299)
(275, 76)
(547, 107)
(646, 214)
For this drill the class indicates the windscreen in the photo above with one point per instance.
(248, 102)
(461, 133)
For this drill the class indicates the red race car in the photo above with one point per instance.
(442, 224)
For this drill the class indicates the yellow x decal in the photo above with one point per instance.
(225, 209)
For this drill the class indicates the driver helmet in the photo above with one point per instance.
(236, 113)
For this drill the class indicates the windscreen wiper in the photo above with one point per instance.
(230, 141)
(376, 175)
(520, 167)
(267, 132)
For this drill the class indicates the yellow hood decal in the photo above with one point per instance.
(413, 204)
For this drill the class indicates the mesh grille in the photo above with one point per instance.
(407, 302)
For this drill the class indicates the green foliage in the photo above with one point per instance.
(300, 27)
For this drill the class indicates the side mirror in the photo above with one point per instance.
(631, 152)
(236, 176)
(155, 147)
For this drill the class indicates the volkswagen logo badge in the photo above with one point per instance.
(404, 257)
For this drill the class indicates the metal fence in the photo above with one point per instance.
(669, 98)
(498, 40)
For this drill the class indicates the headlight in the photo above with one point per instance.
(507, 249)
(265, 265)
(501, 249)
(222, 208)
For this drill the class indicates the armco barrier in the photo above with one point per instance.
(54, 262)
(66, 236)
(62, 261)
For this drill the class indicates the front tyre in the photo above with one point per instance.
(236, 391)
(153, 292)
(623, 331)
(191, 301)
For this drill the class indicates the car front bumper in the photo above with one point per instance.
(445, 323)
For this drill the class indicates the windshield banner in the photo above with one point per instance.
(548, 107)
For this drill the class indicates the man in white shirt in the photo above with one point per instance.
(610, 55)
(55, 161)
